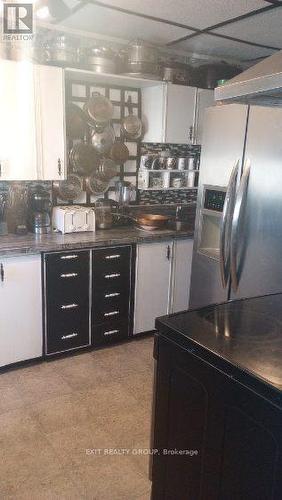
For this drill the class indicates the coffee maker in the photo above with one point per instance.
(40, 210)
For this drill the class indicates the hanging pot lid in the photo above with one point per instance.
(99, 108)
(119, 152)
(96, 184)
(103, 140)
(69, 189)
(83, 159)
(76, 123)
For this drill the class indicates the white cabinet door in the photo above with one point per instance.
(152, 290)
(20, 309)
(182, 261)
(154, 113)
(180, 114)
(51, 121)
(19, 158)
(205, 99)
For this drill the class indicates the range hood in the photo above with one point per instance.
(261, 84)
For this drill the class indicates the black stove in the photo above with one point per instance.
(243, 338)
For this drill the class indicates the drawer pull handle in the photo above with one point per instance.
(111, 332)
(70, 336)
(69, 275)
(69, 306)
(109, 295)
(69, 257)
(114, 275)
(109, 257)
(112, 313)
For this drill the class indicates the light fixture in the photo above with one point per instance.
(54, 10)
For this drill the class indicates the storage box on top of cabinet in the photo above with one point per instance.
(32, 122)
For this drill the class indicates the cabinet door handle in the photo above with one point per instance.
(109, 257)
(2, 272)
(69, 306)
(69, 275)
(111, 332)
(191, 133)
(112, 313)
(69, 336)
(69, 257)
(109, 295)
(59, 167)
(114, 275)
(168, 252)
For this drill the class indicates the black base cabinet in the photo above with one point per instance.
(112, 293)
(67, 301)
(216, 438)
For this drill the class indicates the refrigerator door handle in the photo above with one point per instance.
(228, 203)
(238, 210)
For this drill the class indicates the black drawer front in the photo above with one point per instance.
(110, 332)
(110, 305)
(67, 279)
(112, 257)
(62, 337)
(67, 262)
(111, 278)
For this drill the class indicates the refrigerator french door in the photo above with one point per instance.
(220, 170)
(256, 236)
(246, 210)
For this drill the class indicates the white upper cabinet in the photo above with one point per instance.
(18, 134)
(205, 99)
(171, 113)
(32, 125)
(51, 101)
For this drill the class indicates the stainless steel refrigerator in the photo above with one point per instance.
(238, 236)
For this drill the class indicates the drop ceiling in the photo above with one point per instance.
(242, 29)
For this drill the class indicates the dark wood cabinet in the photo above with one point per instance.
(216, 439)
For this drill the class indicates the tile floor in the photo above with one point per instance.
(51, 413)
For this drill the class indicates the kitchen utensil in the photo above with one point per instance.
(102, 139)
(100, 59)
(70, 189)
(40, 200)
(62, 51)
(96, 184)
(119, 152)
(171, 163)
(146, 161)
(84, 159)
(191, 163)
(191, 179)
(103, 211)
(125, 192)
(99, 109)
(73, 219)
(159, 163)
(177, 182)
(108, 169)
(157, 182)
(3, 222)
(40, 222)
(177, 73)
(142, 59)
(131, 125)
(76, 123)
(152, 220)
(182, 163)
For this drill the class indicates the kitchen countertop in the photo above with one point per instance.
(242, 338)
(33, 244)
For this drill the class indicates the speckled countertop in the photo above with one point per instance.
(33, 244)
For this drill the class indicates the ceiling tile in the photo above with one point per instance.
(194, 13)
(263, 28)
(116, 24)
(221, 47)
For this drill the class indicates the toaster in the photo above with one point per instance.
(73, 219)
